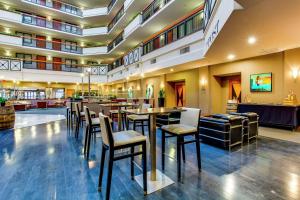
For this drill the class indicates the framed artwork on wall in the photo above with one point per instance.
(261, 82)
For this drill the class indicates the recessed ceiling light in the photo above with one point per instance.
(142, 75)
(251, 40)
(172, 70)
(231, 57)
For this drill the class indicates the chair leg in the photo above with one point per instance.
(198, 151)
(143, 131)
(178, 158)
(183, 150)
(101, 168)
(134, 125)
(144, 160)
(109, 176)
(89, 142)
(86, 139)
(132, 163)
(163, 149)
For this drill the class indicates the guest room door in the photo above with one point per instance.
(180, 94)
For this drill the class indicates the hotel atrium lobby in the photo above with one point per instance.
(151, 99)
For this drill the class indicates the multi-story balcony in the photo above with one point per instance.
(58, 5)
(154, 7)
(51, 24)
(116, 19)
(115, 42)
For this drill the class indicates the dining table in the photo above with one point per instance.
(119, 106)
(158, 180)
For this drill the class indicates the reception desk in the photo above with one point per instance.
(282, 116)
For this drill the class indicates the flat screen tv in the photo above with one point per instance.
(261, 82)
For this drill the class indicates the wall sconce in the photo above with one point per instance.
(162, 85)
(203, 84)
(295, 73)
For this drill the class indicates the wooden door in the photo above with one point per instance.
(180, 94)
(56, 24)
(41, 21)
(41, 62)
(57, 5)
(56, 44)
(41, 41)
(57, 64)
(235, 89)
(43, 2)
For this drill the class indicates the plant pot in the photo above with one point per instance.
(161, 102)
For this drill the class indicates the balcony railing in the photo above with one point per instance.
(117, 63)
(58, 5)
(190, 25)
(17, 64)
(51, 24)
(115, 42)
(52, 45)
(111, 5)
(155, 6)
(208, 10)
(116, 19)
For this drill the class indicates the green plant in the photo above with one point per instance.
(161, 93)
(2, 100)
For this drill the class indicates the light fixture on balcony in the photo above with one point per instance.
(6, 7)
(49, 57)
(142, 75)
(49, 18)
(49, 83)
(7, 30)
(172, 70)
(49, 38)
(7, 53)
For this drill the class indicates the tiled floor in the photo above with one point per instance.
(292, 136)
(25, 120)
(46, 162)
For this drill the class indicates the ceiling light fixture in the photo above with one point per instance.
(172, 70)
(231, 57)
(251, 40)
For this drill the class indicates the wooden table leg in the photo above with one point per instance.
(153, 146)
(119, 119)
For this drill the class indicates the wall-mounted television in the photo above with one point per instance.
(261, 82)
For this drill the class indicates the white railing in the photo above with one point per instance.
(133, 25)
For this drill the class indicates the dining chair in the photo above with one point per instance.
(139, 120)
(92, 127)
(112, 142)
(80, 117)
(188, 126)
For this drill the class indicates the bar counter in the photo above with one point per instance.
(274, 115)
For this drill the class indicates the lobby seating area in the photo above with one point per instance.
(149, 100)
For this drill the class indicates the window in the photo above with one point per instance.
(189, 26)
(59, 93)
(175, 34)
(162, 40)
(71, 46)
(27, 58)
(27, 19)
(181, 31)
(197, 21)
(27, 38)
(70, 63)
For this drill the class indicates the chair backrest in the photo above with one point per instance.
(190, 117)
(106, 130)
(146, 105)
(87, 116)
(77, 110)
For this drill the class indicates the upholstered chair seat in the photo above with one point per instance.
(92, 113)
(139, 120)
(179, 129)
(137, 117)
(128, 137)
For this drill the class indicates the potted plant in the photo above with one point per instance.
(2, 101)
(161, 98)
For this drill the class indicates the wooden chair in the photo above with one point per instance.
(188, 126)
(138, 120)
(92, 127)
(112, 142)
(80, 117)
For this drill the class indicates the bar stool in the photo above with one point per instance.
(118, 141)
(80, 117)
(138, 120)
(92, 127)
(189, 126)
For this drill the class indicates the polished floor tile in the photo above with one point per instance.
(25, 120)
(46, 162)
